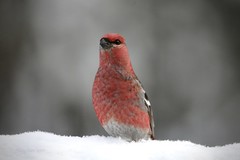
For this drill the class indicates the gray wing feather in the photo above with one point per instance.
(147, 105)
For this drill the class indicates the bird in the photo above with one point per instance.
(119, 100)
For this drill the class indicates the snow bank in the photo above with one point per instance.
(47, 146)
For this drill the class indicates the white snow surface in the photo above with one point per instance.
(47, 146)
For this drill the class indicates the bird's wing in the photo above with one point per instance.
(147, 104)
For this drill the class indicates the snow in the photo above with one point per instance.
(47, 146)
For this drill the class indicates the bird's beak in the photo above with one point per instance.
(105, 43)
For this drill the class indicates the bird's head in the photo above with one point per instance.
(112, 41)
(113, 50)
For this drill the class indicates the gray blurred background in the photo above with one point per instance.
(186, 53)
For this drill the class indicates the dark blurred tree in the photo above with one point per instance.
(14, 32)
(230, 13)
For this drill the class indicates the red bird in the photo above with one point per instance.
(119, 100)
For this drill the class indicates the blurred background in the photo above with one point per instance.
(186, 53)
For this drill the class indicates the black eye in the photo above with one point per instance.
(117, 42)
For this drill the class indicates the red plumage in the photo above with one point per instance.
(119, 99)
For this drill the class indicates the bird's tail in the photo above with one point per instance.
(152, 137)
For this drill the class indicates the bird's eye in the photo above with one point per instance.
(117, 42)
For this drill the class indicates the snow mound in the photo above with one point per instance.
(47, 146)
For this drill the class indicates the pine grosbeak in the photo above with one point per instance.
(119, 100)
